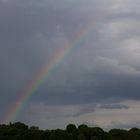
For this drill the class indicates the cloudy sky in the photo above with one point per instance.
(96, 83)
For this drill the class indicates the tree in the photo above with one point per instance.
(82, 126)
(94, 138)
(118, 133)
(70, 128)
(81, 137)
(19, 125)
(34, 128)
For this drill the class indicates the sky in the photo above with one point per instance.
(97, 82)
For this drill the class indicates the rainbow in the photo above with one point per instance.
(46, 71)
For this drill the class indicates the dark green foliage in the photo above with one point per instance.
(81, 137)
(20, 131)
(82, 126)
(118, 133)
(34, 128)
(134, 134)
(19, 125)
(70, 128)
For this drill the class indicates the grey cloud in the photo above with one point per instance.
(86, 109)
(45, 115)
(103, 66)
(113, 106)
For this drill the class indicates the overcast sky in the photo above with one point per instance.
(97, 83)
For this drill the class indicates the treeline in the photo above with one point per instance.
(20, 131)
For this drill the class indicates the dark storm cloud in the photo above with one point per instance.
(103, 68)
(30, 32)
